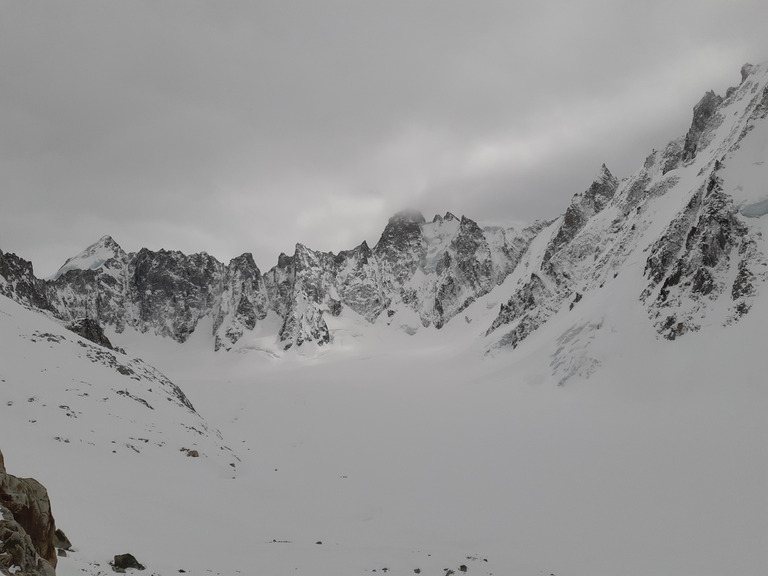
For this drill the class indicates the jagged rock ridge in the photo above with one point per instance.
(702, 263)
(435, 269)
(702, 253)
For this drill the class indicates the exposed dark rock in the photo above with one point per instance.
(60, 540)
(90, 330)
(123, 562)
(697, 250)
(18, 282)
(672, 155)
(746, 70)
(743, 285)
(576, 299)
(27, 527)
(526, 300)
(582, 208)
(334, 307)
(279, 282)
(303, 323)
(310, 278)
(401, 249)
(242, 302)
(174, 291)
(357, 282)
(465, 272)
(702, 113)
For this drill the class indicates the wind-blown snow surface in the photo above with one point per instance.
(413, 452)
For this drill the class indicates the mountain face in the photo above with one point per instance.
(18, 282)
(690, 218)
(434, 269)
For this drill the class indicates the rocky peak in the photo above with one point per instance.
(361, 252)
(746, 70)
(314, 272)
(583, 206)
(357, 282)
(407, 216)
(305, 258)
(18, 282)
(93, 257)
(107, 241)
(279, 281)
(604, 174)
(600, 191)
(702, 263)
(402, 229)
(241, 302)
(702, 113)
(284, 261)
(401, 250)
(468, 231)
(465, 270)
(173, 291)
(246, 264)
(447, 218)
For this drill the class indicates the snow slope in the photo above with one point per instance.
(413, 454)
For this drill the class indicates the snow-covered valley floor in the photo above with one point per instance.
(399, 454)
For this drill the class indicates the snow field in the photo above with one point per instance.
(419, 457)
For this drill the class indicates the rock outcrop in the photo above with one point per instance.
(582, 208)
(27, 527)
(701, 263)
(242, 302)
(90, 330)
(123, 562)
(702, 115)
(18, 282)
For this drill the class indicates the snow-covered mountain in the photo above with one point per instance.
(401, 412)
(690, 217)
(434, 270)
(93, 257)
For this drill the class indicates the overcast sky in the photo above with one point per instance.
(232, 127)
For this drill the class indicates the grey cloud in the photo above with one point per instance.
(236, 126)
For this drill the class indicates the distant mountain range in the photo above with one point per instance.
(691, 217)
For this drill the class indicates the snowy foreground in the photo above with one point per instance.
(396, 453)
